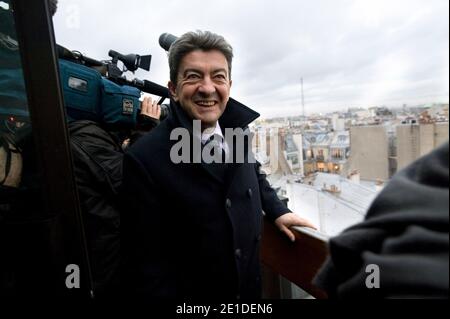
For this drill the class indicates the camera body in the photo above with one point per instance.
(90, 96)
(99, 91)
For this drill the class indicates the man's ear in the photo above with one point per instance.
(173, 91)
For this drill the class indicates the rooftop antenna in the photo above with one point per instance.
(303, 102)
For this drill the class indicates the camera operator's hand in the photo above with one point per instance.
(151, 108)
(148, 119)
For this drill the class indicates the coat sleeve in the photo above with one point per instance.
(147, 239)
(272, 206)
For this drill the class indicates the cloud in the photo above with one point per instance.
(349, 52)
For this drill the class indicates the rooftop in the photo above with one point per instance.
(330, 202)
(341, 139)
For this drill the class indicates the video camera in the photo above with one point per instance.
(99, 91)
(93, 90)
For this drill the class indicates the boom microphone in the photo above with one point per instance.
(166, 40)
(151, 87)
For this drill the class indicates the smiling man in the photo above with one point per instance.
(193, 230)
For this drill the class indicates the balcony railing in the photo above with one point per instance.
(298, 262)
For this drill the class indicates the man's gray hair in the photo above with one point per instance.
(198, 40)
(53, 5)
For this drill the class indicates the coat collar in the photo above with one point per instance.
(236, 115)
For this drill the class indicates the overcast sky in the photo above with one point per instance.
(350, 53)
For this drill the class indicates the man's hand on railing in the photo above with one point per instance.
(285, 222)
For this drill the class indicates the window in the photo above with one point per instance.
(293, 158)
(337, 153)
(40, 225)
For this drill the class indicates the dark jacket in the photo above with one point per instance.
(405, 234)
(188, 231)
(98, 157)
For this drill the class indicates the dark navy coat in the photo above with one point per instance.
(187, 230)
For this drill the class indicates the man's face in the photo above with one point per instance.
(203, 87)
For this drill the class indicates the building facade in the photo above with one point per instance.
(417, 140)
(370, 152)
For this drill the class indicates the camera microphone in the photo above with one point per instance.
(151, 88)
(166, 40)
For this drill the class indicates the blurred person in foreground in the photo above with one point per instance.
(401, 250)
